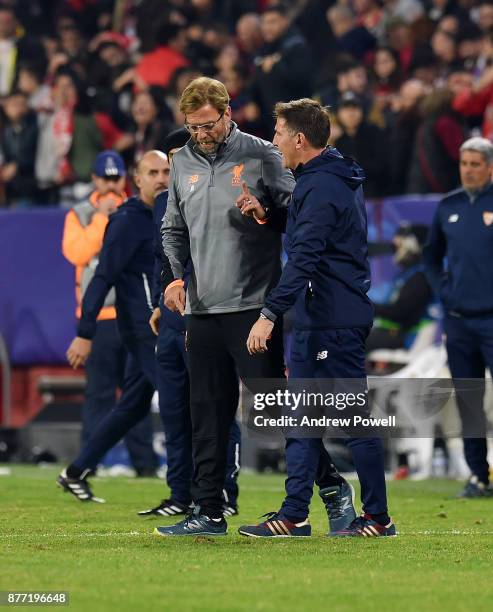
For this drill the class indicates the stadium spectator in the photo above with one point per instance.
(461, 233)
(15, 48)
(82, 240)
(156, 67)
(358, 140)
(283, 65)
(151, 122)
(404, 121)
(399, 315)
(351, 37)
(18, 142)
(436, 148)
(485, 16)
(31, 83)
(249, 37)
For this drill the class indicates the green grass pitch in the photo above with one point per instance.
(108, 559)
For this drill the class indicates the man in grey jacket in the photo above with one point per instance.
(228, 199)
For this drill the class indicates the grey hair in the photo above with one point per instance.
(479, 145)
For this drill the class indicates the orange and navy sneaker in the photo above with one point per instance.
(365, 527)
(276, 526)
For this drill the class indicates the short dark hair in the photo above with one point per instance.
(308, 117)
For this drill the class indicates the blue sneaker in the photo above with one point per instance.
(475, 488)
(195, 524)
(365, 527)
(339, 503)
(276, 527)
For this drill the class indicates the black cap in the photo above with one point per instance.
(349, 98)
(175, 140)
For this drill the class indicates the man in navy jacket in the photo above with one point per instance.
(173, 382)
(462, 234)
(126, 262)
(326, 279)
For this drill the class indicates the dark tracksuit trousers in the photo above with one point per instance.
(306, 458)
(134, 403)
(469, 343)
(174, 406)
(105, 373)
(217, 355)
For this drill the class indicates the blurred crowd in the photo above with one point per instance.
(407, 81)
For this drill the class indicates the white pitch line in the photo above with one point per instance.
(111, 534)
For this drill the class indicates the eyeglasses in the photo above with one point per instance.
(206, 127)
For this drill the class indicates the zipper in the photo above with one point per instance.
(147, 291)
(211, 180)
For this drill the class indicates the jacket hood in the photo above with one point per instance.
(333, 162)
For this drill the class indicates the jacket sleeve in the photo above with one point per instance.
(80, 244)
(433, 255)
(316, 216)
(119, 246)
(175, 239)
(278, 184)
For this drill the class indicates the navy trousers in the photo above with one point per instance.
(469, 343)
(105, 373)
(330, 354)
(134, 403)
(174, 406)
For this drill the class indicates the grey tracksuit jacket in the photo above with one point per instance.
(236, 260)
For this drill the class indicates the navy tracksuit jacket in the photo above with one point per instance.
(326, 279)
(458, 260)
(173, 387)
(126, 262)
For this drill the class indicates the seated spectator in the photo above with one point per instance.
(350, 77)
(386, 76)
(18, 142)
(362, 141)
(398, 317)
(408, 10)
(31, 82)
(444, 48)
(403, 124)
(14, 49)
(282, 66)
(181, 78)
(249, 37)
(151, 123)
(157, 66)
(485, 16)
(351, 38)
(69, 140)
(369, 14)
(245, 112)
(435, 160)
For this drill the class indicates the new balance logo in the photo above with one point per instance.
(321, 355)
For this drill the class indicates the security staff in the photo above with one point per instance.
(83, 233)
(326, 279)
(236, 258)
(462, 233)
(126, 263)
(173, 383)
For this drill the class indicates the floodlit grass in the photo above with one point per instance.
(108, 559)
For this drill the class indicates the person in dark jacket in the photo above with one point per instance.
(325, 280)
(436, 147)
(126, 263)
(461, 234)
(173, 382)
(363, 142)
(283, 64)
(19, 138)
(400, 315)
